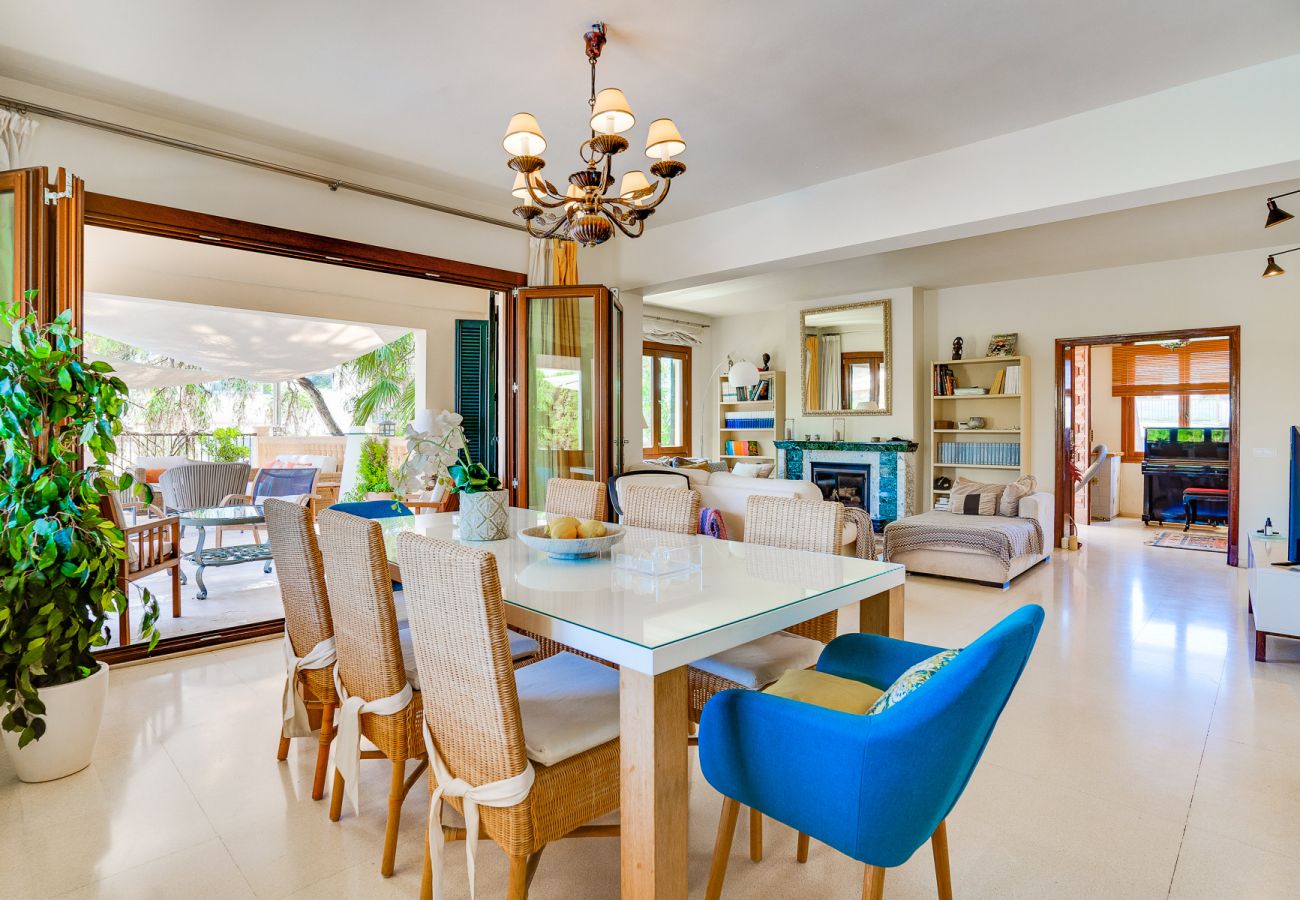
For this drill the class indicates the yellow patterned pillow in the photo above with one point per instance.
(912, 679)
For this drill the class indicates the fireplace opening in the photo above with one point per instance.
(849, 483)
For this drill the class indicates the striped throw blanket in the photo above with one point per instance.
(711, 524)
(997, 536)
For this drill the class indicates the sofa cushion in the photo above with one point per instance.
(752, 470)
(568, 704)
(1009, 502)
(910, 680)
(825, 690)
(760, 662)
(972, 498)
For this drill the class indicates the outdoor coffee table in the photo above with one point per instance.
(224, 556)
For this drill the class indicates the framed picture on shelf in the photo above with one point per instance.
(1003, 344)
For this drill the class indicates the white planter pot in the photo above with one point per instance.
(378, 495)
(485, 516)
(72, 715)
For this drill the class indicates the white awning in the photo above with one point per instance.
(143, 375)
(227, 343)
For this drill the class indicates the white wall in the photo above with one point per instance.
(1206, 291)
(777, 332)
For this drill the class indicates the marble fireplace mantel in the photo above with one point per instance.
(893, 469)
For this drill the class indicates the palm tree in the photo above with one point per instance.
(384, 376)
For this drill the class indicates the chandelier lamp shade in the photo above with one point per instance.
(1272, 270)
(591, 207)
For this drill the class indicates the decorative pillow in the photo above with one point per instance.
(971, 498)
(1009, 504)
(912, 679)
(151, 476)
(825, 690)
(752, 470)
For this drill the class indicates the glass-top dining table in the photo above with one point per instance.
(652, 628)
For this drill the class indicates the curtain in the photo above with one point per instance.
(15, 131)
(541, 265)
(829, 371)
(812, 371)
(564, 268)
(1197, 367)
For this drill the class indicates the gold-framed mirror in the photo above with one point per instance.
(846, 360)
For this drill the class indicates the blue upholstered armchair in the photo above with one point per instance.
(874, 787)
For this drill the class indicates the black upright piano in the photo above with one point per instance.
(1177, 459)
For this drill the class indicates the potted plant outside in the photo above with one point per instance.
(374, 475)
(60, 554)
(439, 455)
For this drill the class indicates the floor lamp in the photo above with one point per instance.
(743, 374)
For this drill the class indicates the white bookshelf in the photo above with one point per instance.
(1006, 420)
(774, 406)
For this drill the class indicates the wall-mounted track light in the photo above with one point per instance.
(1273, 269)
(1277, 216)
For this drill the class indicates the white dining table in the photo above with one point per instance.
(653, 628)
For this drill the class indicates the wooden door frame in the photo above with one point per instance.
(1064, 492)
(685, 353)
(31, 265)
(517, 359)
(138, 217)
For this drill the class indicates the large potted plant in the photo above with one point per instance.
(374, 475)
(439, 455)
(60, 552)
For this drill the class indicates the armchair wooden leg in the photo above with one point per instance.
(755, 835)
(176, 591)
(283, 752)
(942, 874)
(873, 883)
(722, 848)
(426, 875)
(336, 796)
(532, 866)
(124, 624)
(396, 794)
(801, 849)
(518, 884)
(323, 751)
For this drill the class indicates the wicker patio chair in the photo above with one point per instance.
(663, 509)
(795, 524)
(152, 546)
(485, 724)
(571, 497)
(200, 485)
(372, 668)
(308, 632)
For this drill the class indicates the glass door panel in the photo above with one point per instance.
(561, 373)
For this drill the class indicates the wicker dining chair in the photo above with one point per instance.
(476, 720)
(794, 524)
(371, 664)
(307, 624)
(662, 509)
(571, 497)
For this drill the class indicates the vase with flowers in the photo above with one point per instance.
(437, 457)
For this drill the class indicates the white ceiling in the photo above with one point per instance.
(770, 95)
(1214, 223)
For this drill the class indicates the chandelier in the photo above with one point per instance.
(588, 211)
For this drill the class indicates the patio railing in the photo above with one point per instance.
(132, 445)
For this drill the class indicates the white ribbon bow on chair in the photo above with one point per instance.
(506, 792)
(347, 742)
(322, 656)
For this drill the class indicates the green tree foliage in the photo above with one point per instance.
(374, 475)
(59, 554)
(383, 377)
(223, 445)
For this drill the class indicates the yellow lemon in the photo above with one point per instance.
(565, 529)
(590, 528)
(560, 522)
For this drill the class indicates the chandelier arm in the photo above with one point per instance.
(549, 229)
(546, 203)
(667, 183)
(617, 220)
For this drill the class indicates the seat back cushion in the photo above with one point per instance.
(910, 680)
(1009, 502)
(825, 690)
(971, 498)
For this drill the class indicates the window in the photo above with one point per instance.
(665, 399)
(863, 377)
(1174, 384)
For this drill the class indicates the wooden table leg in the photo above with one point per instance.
(882, 613)
(655, 784)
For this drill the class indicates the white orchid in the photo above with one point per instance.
(431, 453)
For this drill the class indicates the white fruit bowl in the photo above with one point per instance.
(575, 548)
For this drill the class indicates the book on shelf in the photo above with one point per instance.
(1011, 380)
(970, 391)
(945, 381)
(971, 453)
(999, 383)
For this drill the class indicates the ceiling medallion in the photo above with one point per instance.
(587, 211)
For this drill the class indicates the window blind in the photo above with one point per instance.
(1199, 367)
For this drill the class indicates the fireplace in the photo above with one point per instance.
(849, 483)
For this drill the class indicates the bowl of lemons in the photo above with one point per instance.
(565, 537)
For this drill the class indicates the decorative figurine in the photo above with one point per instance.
(767, 359)
(956, 347)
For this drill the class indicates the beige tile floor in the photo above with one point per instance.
(1145, 754)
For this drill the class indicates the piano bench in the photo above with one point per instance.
(1195, 496)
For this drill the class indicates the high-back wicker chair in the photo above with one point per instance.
(308, 632)
(370, 666)
(474, 722)
(202, 484)
(794, 524)
(663, 509)
(571, 497)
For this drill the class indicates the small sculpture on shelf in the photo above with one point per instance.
(767, 361)
(956, 347)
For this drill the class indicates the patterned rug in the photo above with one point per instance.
(1190, 540)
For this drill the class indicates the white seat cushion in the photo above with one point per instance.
(568, 704)
(520, 647)
(761, 662)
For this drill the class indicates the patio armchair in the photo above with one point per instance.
(295, 485)
(152, 546)
(202, 485)
(873, 786)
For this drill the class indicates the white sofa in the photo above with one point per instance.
(974, 565)
(729, 494)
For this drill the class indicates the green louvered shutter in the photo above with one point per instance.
(474, 388)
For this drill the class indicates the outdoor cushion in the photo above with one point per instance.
(825, 690)
(568, 704)
(912, 679)
(760, 662)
